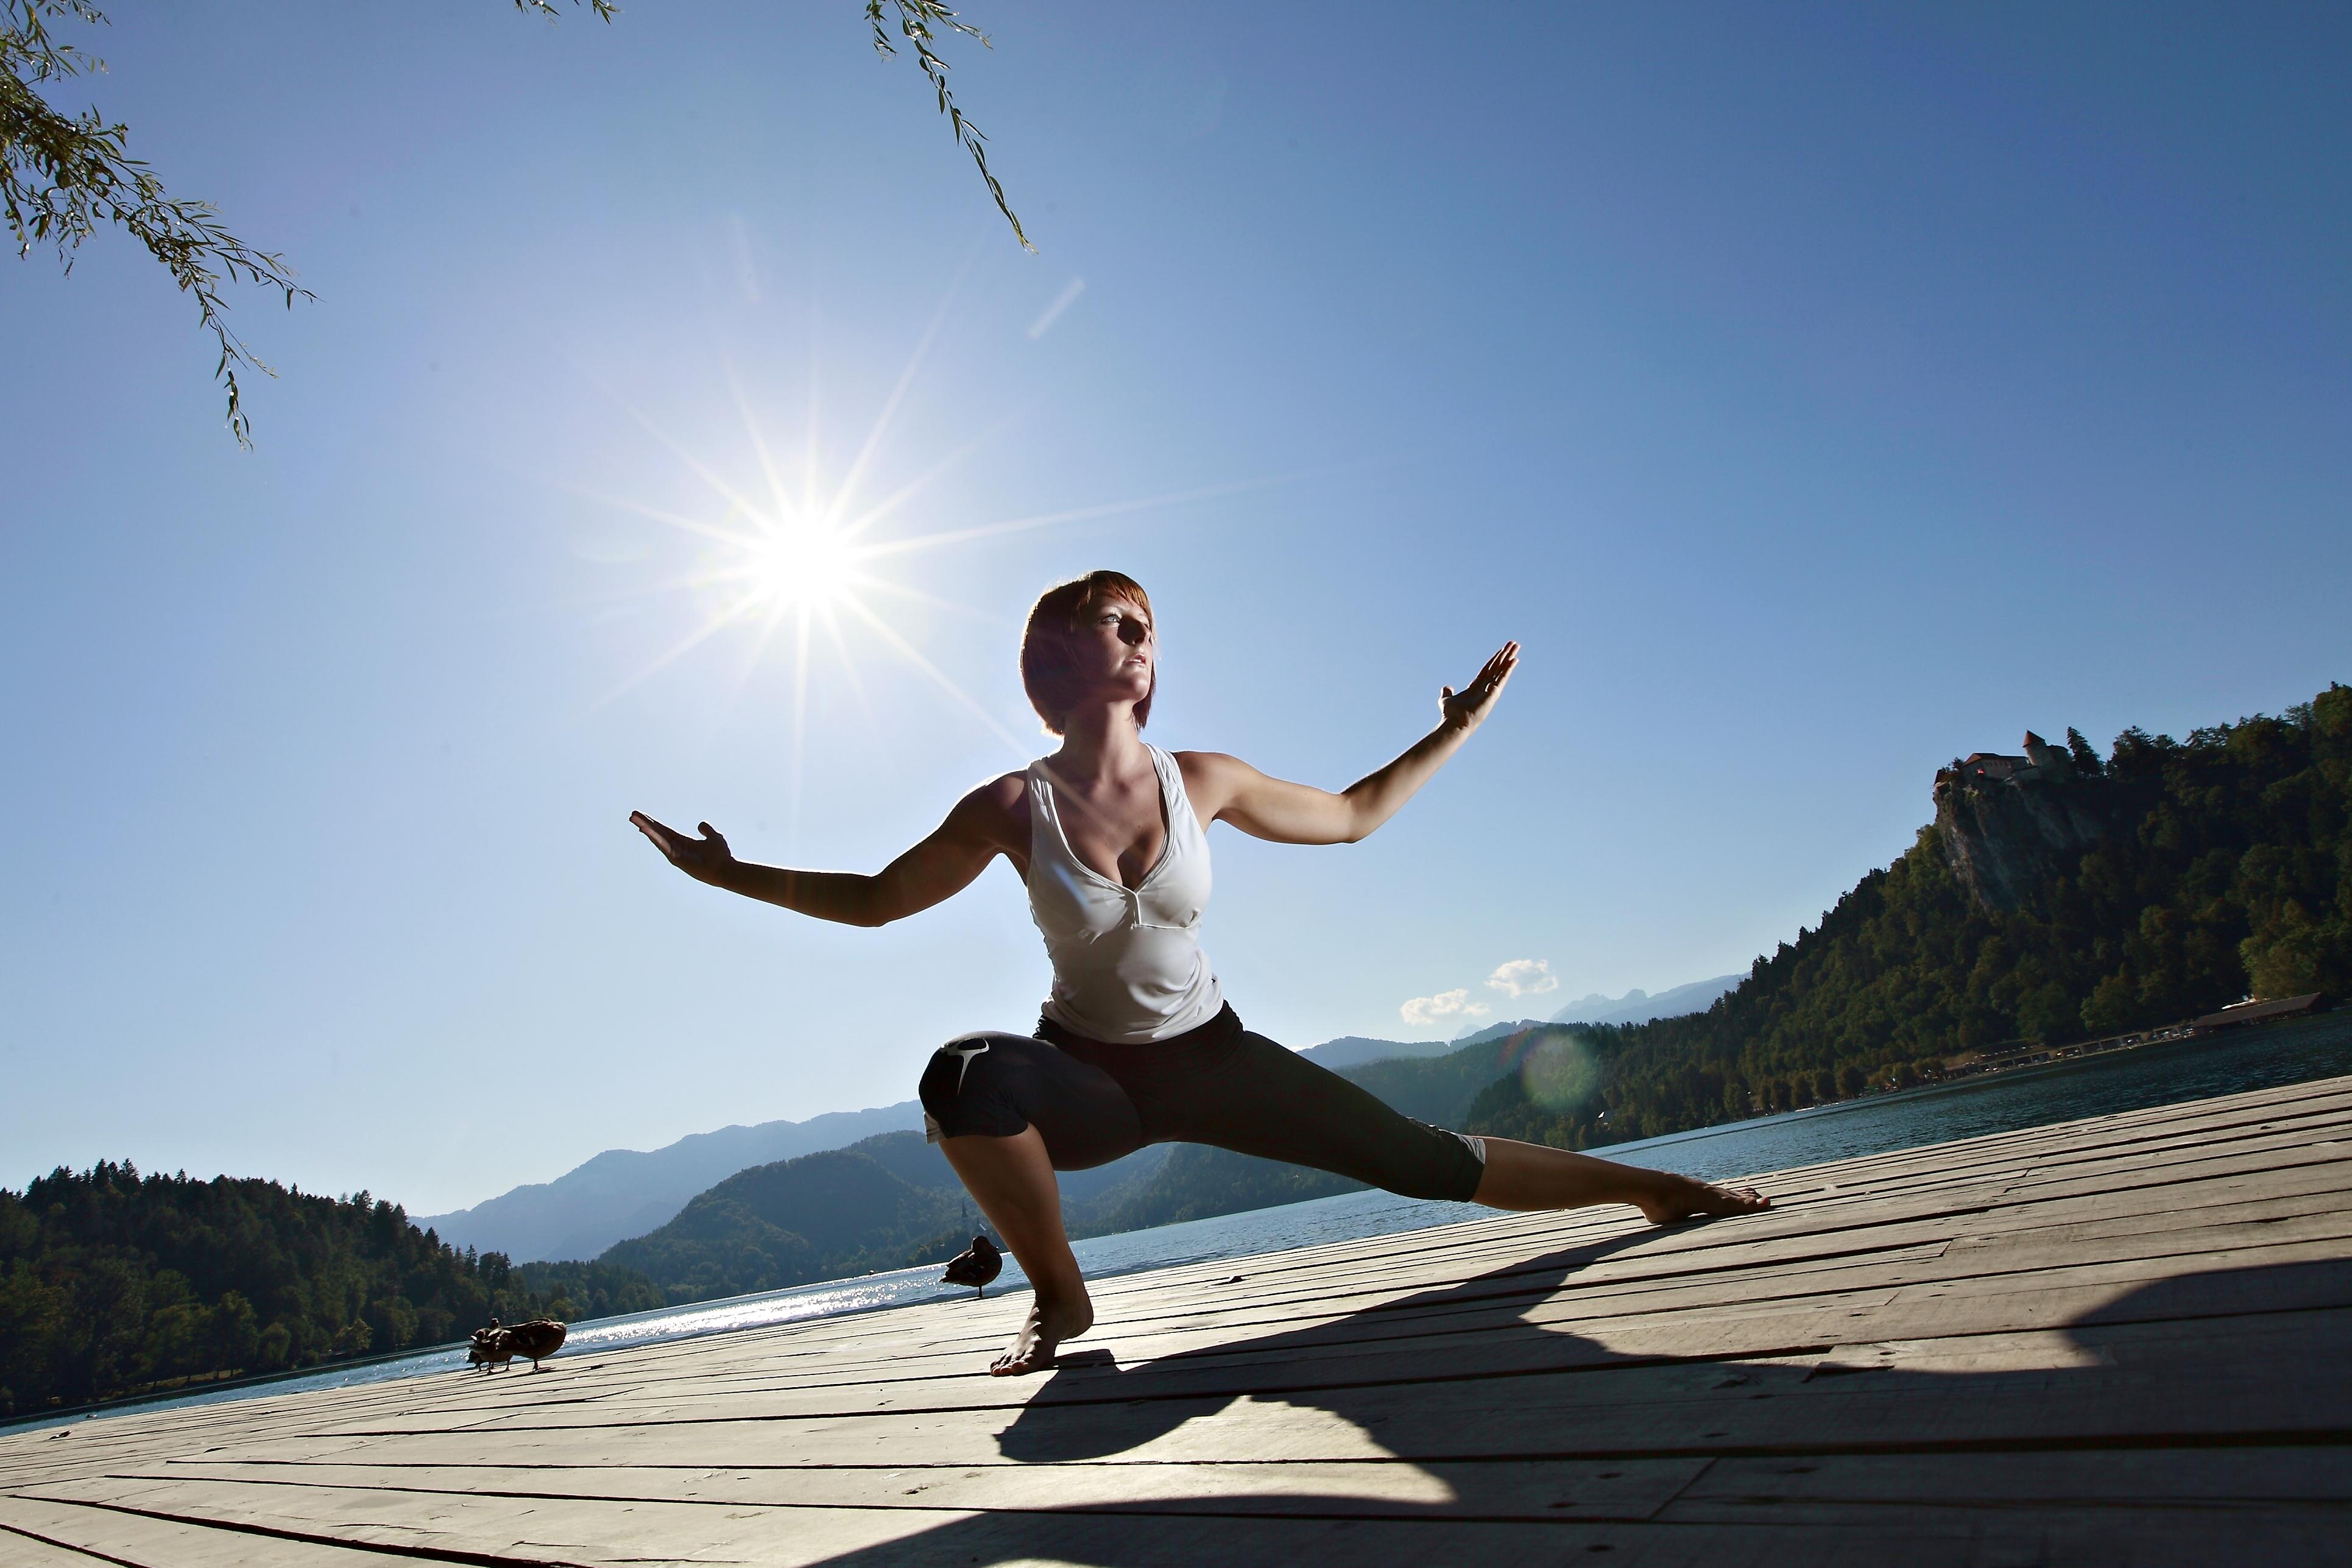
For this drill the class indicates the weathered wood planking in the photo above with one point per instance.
(2112, 1341)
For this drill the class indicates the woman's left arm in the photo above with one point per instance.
(1233, 791)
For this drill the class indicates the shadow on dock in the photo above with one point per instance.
(1451, 1381)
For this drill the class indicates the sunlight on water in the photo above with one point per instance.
(2096, 1086)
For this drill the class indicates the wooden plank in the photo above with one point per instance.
(1546, 1491)
(597, 1530)
(21, 1549)
(603, 1531)
(1741, 1488)
(83, 1534)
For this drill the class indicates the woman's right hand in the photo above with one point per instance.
(706, 860)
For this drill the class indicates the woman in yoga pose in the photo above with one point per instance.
(1138, 1045)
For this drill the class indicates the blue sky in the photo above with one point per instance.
(1816, 392)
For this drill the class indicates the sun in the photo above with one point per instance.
(800, 560)
(801, 566)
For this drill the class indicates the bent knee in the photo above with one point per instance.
(963, 1087)
(963, 1064)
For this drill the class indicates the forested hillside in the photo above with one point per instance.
(2162, 881)
(111, 1281)
(820, 1216)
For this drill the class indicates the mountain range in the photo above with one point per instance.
(1638, 1006)
(627, 1192)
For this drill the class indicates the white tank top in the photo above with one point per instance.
(1127, 965)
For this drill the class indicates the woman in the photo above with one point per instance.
(1137, 1045)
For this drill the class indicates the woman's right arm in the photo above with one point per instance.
(942, 864)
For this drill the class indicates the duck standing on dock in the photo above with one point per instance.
(485, 1350)
(975, 1266)
(496, 1347)
(1136, 1043)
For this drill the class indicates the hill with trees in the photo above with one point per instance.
(825, 1215)
(2068, 898)
(112, 1282)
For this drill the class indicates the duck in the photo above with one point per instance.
(975, 1266)
(539, 1338)
(496, 1346)
(490, 1349)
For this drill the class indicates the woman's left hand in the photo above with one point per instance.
(1467, 709)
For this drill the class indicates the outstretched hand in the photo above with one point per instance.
(705, 859)
(1469, 707)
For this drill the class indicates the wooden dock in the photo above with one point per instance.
(2120, 1341)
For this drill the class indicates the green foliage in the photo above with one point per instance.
(576, 1290)
(917, 19)
(62, 175)
(2227, 865)
(112, 1283)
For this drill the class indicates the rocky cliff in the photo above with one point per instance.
(2010, 823)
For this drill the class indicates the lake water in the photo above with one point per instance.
(2092, 1086)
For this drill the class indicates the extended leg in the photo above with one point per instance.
(1531, 1177)
(1264, 1100)
(1011, 1180)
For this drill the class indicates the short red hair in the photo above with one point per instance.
(1047, 672)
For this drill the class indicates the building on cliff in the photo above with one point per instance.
(1980, 769)
(2009, 823)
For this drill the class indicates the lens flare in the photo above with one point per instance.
(1559, 1072)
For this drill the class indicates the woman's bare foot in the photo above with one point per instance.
(1681, 1197)
(1041, 1331)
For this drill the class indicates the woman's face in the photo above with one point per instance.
(1116, 649)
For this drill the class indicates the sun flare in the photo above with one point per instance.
(802, 561)
(801, 566)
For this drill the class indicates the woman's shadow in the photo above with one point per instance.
(1378, 1369)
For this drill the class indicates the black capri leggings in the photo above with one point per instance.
(1217, 1084)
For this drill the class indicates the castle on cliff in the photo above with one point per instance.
(1980, 770)
(2011, 824)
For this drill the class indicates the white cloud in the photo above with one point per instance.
(1524, 977)
(1422, 1011)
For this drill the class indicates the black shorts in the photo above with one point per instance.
(1217, 1084)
